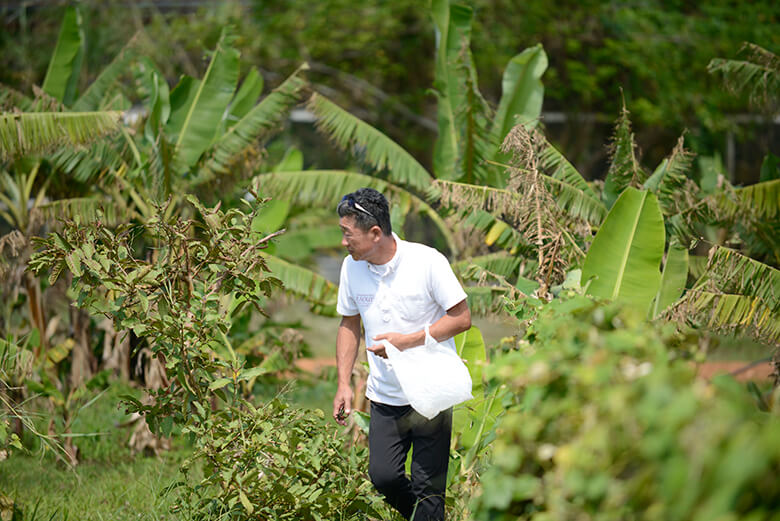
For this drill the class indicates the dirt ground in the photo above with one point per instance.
(738, 368)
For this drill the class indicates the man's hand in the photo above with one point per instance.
(399, 340)
(342, 404)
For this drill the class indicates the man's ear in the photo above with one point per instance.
(376, 233)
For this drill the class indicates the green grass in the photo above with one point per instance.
(92, 491)
(108, 483)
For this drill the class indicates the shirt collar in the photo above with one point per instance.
(390, 266)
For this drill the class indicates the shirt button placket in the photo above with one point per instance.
(384, 304)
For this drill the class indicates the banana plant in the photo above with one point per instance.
(468, 146)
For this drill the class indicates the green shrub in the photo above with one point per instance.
(608, 422)
(276, 462)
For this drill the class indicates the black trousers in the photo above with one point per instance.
(392, 432)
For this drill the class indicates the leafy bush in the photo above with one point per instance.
(276, 462)
(608, 422)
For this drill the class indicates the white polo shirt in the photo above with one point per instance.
(414, 289)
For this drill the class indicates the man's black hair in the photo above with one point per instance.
(375, 209)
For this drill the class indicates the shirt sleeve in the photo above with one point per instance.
(443, 283)
(346, 305)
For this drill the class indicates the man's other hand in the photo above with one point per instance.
(342, 404)
(378, 350)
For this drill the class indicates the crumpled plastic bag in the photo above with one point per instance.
(432, 376)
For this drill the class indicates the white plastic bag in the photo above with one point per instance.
(432, 376)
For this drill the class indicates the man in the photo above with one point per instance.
(396, 288)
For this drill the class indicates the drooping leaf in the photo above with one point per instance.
(673, 278)
(758, 75)
(624, 260)
(730, 272)
(84, 164)
(325, 188)
(729, 313)
(315, 289)
(64, 66)
(87, 208)
(371, 145)
(36, 132)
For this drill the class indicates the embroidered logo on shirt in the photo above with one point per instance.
(364, 300)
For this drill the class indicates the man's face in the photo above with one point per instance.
(360, 244)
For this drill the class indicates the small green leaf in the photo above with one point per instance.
(245, 501)
(253, 372)
(219, 383)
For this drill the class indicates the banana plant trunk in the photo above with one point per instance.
(37, 318)
(83, 362)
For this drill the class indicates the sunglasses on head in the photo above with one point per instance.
(356, 205)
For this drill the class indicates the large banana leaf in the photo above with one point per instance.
(378, 150)
(299, 244)
(35, 132)
(65, 64)
(304, 283)
(325, 188)
(453, 30)
(624, 260)
(471, 348)
(463, 115)
(93, 97)
(246, 97)
(263, 117)
(209, 97)
(522, 92)
(673, 279)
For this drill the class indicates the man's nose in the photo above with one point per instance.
(344, 241)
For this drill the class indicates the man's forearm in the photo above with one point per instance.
(347, 343)
(456, 320)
